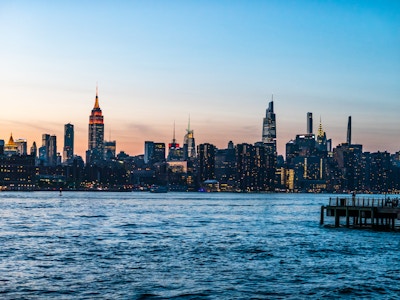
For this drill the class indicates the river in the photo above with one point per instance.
(99, 245)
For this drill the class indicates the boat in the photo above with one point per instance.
(158, 189)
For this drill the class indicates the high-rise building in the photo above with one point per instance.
(206, 155)
(269, 143)
(349, 131)
(52, 151)
(269, 126)
(321, 138)
(11, 147)
(159, 152)
(110, 148)
(22, 146)
(175, 152)
(48, 151)
(225, 168)
(68, 153)
(2, 147)
(189, 145)
(34, 150)
(148, 151)
(96, 133)
(309, 123)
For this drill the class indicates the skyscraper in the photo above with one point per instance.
(189, 145)
(269, 143)
(68, 152)
(110, 147)
(321, 138)
(175, 152)
(309, 123)
(148, 151)
(52, 151)
(96, 133)
(349, 131)
(269, 126)
(22, 146)
(206, 156)
(34, 150)
(44, 150)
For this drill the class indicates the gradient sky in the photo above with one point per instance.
(157, 62)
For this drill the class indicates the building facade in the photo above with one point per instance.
(68, 153)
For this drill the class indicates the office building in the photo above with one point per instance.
(309, 123)
(269, 126)
(189, 145)
(22, 146)
(110, 148)
(68, 153)
(348, 141)
(52, 151)
(206, 156)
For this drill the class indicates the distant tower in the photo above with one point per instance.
(189, 145)
(269, 126)
(96, 132)
(110, 149)
(349, 131)
(269, 143)
(321, 138)
(148, 151)
(206, 156)
(43, 150)
(34, 149)
(52, 151)
(174, 150)
(68, 152)
(11, 148)
(22, 146)
(309, 123)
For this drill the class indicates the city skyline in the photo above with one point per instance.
(157, 63)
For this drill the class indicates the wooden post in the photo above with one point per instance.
(347, 217)
(337, 218)
(372, 216)
(321, 222)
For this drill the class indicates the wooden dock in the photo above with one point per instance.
(380, 214)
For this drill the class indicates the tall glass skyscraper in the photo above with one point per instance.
(189, 144)
(269, 143)
(96, 132)
(68, 152)
(269, 127)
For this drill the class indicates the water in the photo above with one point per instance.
(187, 246)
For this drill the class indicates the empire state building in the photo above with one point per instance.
(96, 133)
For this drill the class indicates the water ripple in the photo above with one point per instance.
(186, 246)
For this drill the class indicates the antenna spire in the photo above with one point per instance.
(96, 102)
(173, 139)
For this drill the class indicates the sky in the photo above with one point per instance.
(158, 62)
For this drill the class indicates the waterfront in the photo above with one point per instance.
(187, 245)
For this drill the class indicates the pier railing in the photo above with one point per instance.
(364, 202)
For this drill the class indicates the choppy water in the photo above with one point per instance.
(189, 246)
